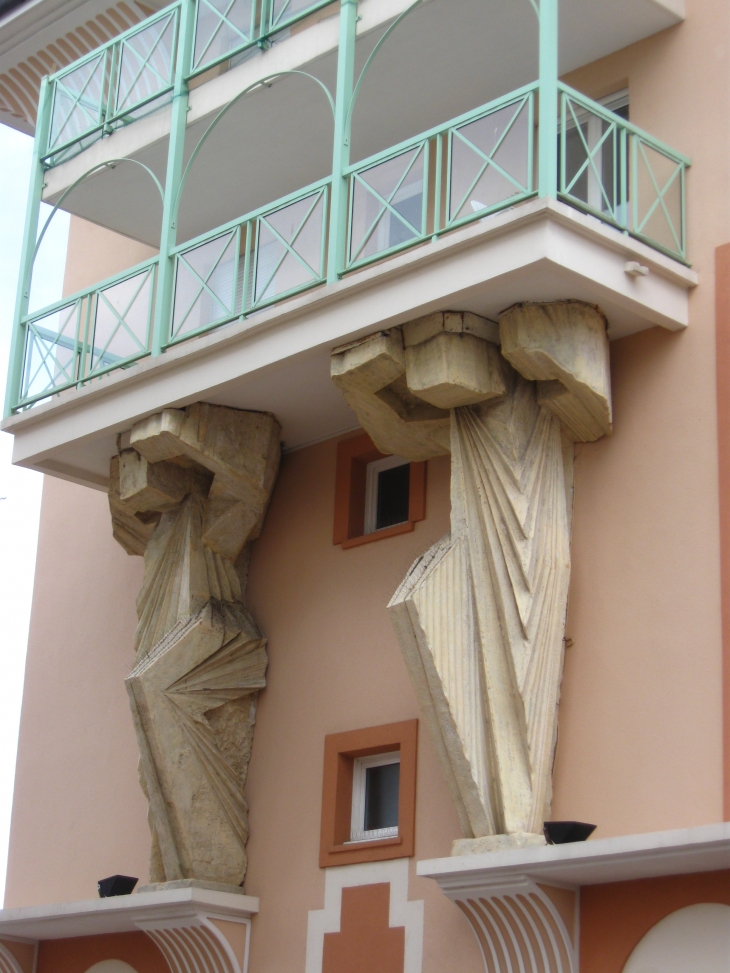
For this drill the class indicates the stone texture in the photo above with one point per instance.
(372, 376)
(451, 361)
(564, 347)
(480, 617)
(497, 842)
(197, 482)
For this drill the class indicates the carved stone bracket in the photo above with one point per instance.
(480, 617)
(189, 490)
(519, 924)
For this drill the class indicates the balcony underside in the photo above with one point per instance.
(277, 360)
(445, 58)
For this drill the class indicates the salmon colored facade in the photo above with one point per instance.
(643, 724)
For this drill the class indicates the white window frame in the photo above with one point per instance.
(371, 489)
(359, 777)
(619, 99)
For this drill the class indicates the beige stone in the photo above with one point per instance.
(497, 842)
(371, 374)
(129, 529)
(563, 346)
(456, 322)
(480, 617)
(210, 436)
(450, 370)
(190, 493)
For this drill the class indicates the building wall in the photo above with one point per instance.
(640, 746)
(78, 811)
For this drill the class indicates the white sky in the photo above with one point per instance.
(19, 488)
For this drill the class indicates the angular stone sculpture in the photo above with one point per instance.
(190, 491)
(480, 617)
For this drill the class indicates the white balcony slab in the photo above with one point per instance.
(278, 360)
(594, 862)
(123, 913)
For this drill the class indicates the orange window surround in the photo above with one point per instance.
(340, 753)
(353, 456)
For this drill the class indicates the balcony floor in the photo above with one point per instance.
(278, 360)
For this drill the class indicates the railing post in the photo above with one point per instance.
(175, 154)
(30, 233)
(547, 179)
(341, 152)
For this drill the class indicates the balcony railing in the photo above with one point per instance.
(134, 73)
(467, 169)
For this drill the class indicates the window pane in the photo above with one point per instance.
(393, 496)
(381, 797)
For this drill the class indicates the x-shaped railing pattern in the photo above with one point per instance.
(146, 65)
(280, 13)
(288, 247)
(45, 343)
(589, 164)
(102, 357)
(385, 202)
(91, 108)
(204, 285)
(488, 158)
(223, 20)
(659, 201)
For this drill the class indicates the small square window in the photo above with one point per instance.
(369, 794)
(376, 496)
(375, 786)
(387, 493)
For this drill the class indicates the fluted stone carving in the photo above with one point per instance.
(189, 490)
(480, 617)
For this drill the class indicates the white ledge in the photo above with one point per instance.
(122, 913)
(595, 862)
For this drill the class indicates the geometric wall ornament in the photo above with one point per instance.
(189, 490)
(695, 938)
(480, 616)
(366, 913)
(111, 966)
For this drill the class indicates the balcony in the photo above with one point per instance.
(535, 194)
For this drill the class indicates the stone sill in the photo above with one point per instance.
(593, 862)
(122, 913)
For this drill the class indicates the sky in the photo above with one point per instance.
(20, 490)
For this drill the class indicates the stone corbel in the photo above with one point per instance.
(189, 491)
(480, 617)
(519, 924)
(201, 941)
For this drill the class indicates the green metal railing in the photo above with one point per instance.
(134, 73)
(227, 28)
(544, 139)
(126, 77)
(613, 170)
(90, 333)
(264, 257)
(465, 170)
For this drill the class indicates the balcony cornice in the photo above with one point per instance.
(595, 862)
(539, 250)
